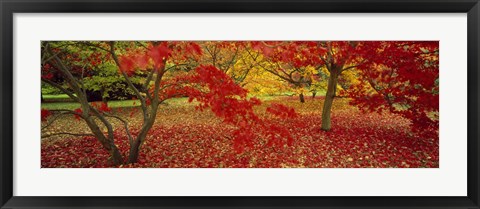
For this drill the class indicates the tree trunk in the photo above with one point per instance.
(327, 105)
(302, 98)
(104, 98)
(314, 94)
(135, 147)
(134, 150)
(107, 143)
(117, 158)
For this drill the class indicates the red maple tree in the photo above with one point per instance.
(208, 85)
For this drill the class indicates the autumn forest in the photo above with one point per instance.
(239, 104)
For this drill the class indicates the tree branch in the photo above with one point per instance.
(63, 112)
(58, 86)
(125, 124)
(129, 82)
(71, 80)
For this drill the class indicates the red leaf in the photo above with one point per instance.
(45, 114)
(159, 53)
(79, 111)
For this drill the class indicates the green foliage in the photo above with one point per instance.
(110, 83)
(50, 90)
(75, 105)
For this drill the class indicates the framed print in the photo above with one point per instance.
(196, 104)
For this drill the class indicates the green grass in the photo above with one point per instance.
(111, 104)
(74, 105)
(57, 103)
(55, 96)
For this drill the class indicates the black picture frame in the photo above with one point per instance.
(9, 7)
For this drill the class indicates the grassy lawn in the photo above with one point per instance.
(55, 96)
(112, 104)
(74, 105)
(61, 101)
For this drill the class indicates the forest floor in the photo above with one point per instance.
(185, 138)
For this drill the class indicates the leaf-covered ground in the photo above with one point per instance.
(191, 139)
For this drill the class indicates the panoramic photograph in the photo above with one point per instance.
(239, 104)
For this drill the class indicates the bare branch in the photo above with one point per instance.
(57, 116)
(50, 58)
(349, 67)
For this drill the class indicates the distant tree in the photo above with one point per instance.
(398, 76)
(288, 62)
